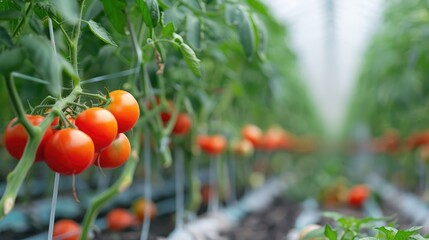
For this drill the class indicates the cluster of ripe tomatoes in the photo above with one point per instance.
(95, 136)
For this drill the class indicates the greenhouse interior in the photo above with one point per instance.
(218, 119)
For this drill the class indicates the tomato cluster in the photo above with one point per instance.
(96, 136)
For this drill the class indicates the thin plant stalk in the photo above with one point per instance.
(214, 193)
(147, 185)
(421, 172)
(233, 178)
(53, 206)
(180, 187)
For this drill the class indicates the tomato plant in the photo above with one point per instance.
(16, 137)
(116, 154)
(99, 124)
(69, 151)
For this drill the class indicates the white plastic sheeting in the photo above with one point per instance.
(329, 37)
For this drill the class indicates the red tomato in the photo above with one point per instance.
(182, 124)
(16, 137)
(272, 139)
(213, 145)
(99, 124)
(69, 151)
(66, 229)
(139, 209)
(115, 154)
(118, 219)
(357, 195)
(252, 133)
(125, 108)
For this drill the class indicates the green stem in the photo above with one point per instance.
(17, 106)
(194, 184)
(119, 186)
(60, 26)
(74, 46)
(93, 95)
(23, 19)
(17, 176)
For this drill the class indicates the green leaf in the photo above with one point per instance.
(150, 11)
(101, 33)
(246, 35)
(330, 233)
(10, 14)
(5, 39)
(11, 60)
(191, 59)
(177, 38)
(389, 232)
(115, 10)
(69, 10)
(406, 234)
(48, 65)
(233, 14)
(193, 31)
(168, 30)
(36, 24)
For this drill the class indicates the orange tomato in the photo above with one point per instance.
(118, 219)
(252, 133)
(213, 145)
(139, 209)
(66, 229)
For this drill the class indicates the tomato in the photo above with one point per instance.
(182, 124)
(213, 145)
(252, 133)
(16, 137)
(272, 139)
(243, 148)
(118, 219)
(125, 108)
(69, 151)
(99, 124)
(357, 195)
(115, 154)
(139, 209)
(66, 229)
